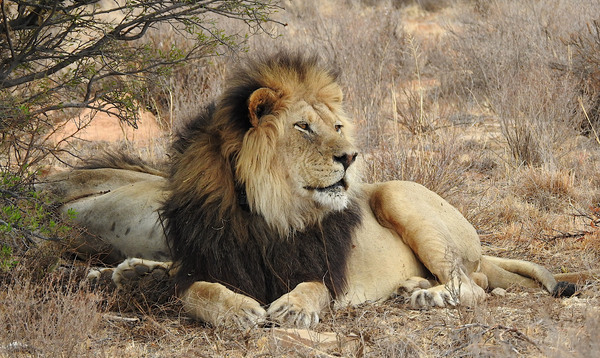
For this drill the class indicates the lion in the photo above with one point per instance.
(263, 216)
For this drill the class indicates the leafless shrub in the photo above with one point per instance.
(415, 107)
(537, 116)
(417, 111)
(549, 190)
(505, 38)
(585, 65)
(427, 5)
(580, 343)
(432, 160)
(509, 340)
(501, 62)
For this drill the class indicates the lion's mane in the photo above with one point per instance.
(213, 231)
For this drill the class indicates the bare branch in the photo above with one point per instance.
(7, 30)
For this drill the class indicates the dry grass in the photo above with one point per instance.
(525, 322)
(433, 160)
(481, 101)
(53, 315)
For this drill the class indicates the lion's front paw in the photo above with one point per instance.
(216, 304)
(288, 311)
(300, 307)
(246, 314)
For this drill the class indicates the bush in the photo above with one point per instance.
(60, 57)
(504, 62)
(27, 217)
(585, 66)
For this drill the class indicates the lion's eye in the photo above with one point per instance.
(338, 128)
(303, 126)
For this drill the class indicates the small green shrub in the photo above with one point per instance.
(7, 260)
(26, 216)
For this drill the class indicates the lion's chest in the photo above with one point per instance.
(379, 260)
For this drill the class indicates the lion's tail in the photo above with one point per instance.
(578, 277)
(122, 160)
(504, 273)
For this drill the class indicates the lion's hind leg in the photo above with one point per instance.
(406, 288)
(416, 291)
(134, 270)
(101, 277)
(439, 236)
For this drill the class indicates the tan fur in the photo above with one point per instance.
(408, 235)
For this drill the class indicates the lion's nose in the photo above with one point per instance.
(346, 159)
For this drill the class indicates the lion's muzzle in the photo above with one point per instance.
(346, 159)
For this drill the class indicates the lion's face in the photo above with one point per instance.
(318, 154)
(297, 161)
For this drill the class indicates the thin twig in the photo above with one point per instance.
(588, 119)
(7, 31)
(488, 329)
(566, 235)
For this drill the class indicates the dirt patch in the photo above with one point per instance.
(108, 128)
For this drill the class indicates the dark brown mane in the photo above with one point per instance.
(213, 236)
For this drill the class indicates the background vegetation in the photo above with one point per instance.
(493, 104)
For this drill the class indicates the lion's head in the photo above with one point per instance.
(296, 160)
(282, 124)
(262, 183)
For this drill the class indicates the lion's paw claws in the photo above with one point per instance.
(290, 314)
(406, 289)
(424, 299)
(250, 314)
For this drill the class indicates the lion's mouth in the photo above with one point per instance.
(338, 186)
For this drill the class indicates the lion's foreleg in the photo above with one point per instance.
(216, 304)
(302, 306)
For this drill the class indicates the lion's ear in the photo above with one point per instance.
(260, 103)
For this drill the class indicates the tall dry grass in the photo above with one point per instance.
(500, 60)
